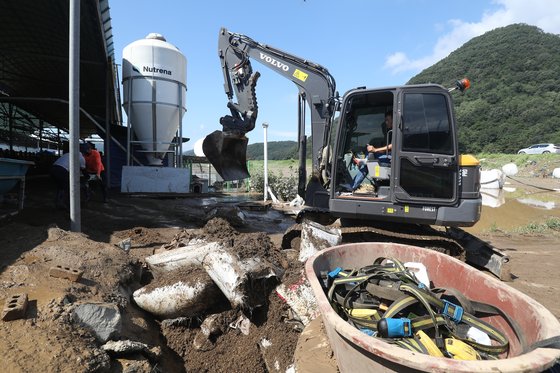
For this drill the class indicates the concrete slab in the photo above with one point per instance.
(136, 179)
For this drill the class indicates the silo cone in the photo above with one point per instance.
(154, 90)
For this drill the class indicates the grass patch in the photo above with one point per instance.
(492, 160)
(550, 225)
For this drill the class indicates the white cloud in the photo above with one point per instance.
(544, 14)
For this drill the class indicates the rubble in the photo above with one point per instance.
(128, 347)
(103, 319)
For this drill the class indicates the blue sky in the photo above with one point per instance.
(371, 43)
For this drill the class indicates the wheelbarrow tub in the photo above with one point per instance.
(358, 352)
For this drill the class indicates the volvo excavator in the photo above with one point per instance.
(420, 192)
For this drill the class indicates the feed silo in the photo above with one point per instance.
(154, 90)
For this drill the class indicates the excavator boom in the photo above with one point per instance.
(227, 149)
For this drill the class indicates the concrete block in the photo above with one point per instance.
(15, 307)
(68, 273)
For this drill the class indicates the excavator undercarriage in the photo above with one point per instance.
(451, 241)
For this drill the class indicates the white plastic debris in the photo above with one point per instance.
(492, 179)
(186, 256)
(492, 197)
(556, 173)
(479, 336)
(420, 271)
(242, 324)
(237, 278)
(316, 237)
(125, 244)
(265, 343)
(300, 298)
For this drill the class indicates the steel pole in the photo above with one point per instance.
(108, 111)
(265, 126)
(74, 115)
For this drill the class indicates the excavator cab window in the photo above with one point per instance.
(427, 127)
(364, 116)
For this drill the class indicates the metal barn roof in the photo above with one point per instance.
(34, 60)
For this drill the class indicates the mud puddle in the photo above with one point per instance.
(517, 205)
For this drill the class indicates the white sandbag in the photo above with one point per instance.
(510, 169)
(185, 256)
(492, 179)
(181, 299)
(239, 279)
(492, 197)
(556, 173)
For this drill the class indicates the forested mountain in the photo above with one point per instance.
(514, 99)
(276, 150)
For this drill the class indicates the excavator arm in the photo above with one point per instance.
(226, 149)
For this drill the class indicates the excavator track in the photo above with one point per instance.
(428, 238)
(451, 241)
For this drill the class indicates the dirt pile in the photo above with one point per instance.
(231, 350)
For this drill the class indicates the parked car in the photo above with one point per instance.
(540, 149)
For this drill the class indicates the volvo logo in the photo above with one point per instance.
(274, 62)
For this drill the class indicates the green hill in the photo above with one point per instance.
(514, 99)
(276, 150)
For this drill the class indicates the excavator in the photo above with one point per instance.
(419, 192)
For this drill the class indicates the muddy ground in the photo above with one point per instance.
(48, 340)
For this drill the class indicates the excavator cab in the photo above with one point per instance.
(421, 179)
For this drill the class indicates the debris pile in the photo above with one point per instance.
(219, 292)
(208, 299)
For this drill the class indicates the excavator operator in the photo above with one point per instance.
(382, 152)
(387, 128)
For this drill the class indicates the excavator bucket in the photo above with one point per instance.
(228, 154)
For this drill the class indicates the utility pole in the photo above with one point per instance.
(74, 115)
(265, 126)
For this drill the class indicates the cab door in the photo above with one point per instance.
(426, 158)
